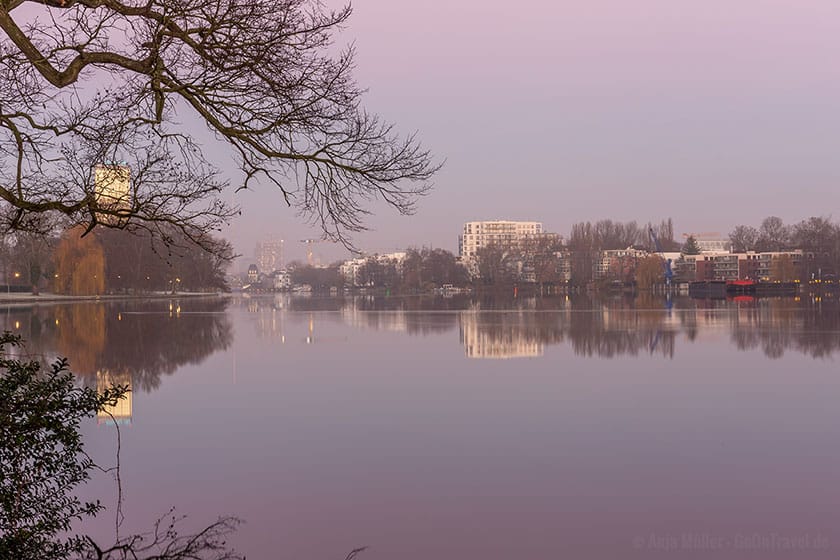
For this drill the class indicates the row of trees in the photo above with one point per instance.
(607, 234)
(113, 261)
(586, 240)
(540, 260)
(812, 234)
(421, 270)
(819, 237)
(544, 260)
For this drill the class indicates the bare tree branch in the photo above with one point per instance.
(87, 82)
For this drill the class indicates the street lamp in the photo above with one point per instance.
(8, 284)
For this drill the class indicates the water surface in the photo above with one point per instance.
(468, 428)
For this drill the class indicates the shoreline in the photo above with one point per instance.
(7, 299)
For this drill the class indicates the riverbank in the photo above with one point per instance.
(26, 298)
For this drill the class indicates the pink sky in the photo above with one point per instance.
(713, 113)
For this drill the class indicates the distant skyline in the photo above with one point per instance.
(713, 114)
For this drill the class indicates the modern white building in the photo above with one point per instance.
(477, 235)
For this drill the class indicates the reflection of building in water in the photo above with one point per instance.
(269, 316)
(498, 335)
(120, 412)
(395, 321)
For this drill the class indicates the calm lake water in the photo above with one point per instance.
(459, 428)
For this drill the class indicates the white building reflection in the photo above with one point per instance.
(121, 412)
(498, 336)
(393, 321)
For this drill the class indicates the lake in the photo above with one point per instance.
(467, 427)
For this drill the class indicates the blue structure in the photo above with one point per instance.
(666, 263)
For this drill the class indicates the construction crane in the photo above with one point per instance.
(309, 243)
(666, 263)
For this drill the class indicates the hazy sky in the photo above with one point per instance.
(713, 113)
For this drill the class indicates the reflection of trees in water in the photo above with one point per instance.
(777, 325)
(593, 325)
(414, 315)
(152, 343)
(420, 315)
(821, 332)
(617, 331)
(81, 335)
(142, 339)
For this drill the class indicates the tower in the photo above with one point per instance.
(112, 191)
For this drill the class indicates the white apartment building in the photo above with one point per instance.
(498, 232)
(350, 269)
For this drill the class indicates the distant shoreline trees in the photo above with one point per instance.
(817, 237)
(596, 255)
(112, 261)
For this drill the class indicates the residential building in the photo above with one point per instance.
(685, 268)
(617, 264)
(564, 266)
(282, 280)
(714, 245)
(542, 258)
(253, 274)
(769, 266)
(350, 268)
(269, 255)
(477, 235)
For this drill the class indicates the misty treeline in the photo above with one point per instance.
(111, 261)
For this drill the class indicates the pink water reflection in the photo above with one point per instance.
(373, 437)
